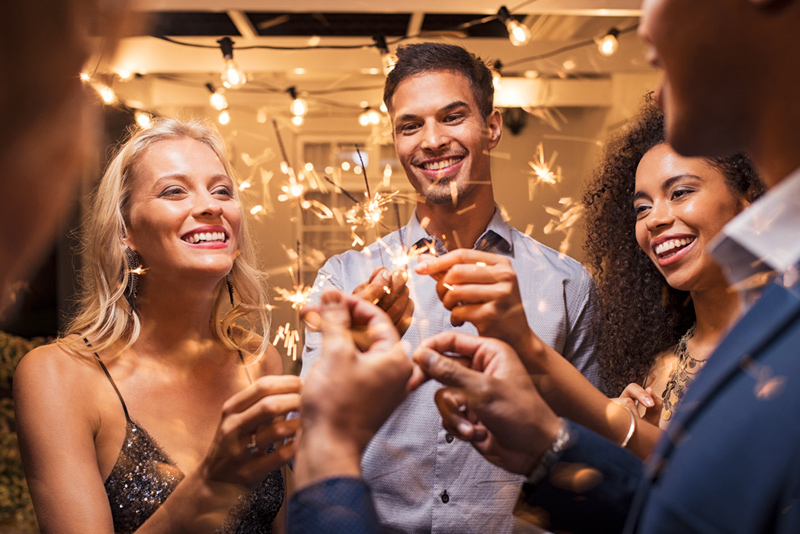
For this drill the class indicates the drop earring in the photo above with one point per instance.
(229, 282)
(132, 266)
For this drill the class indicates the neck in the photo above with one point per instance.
(716, 310)
(175, 315)
(458, 226)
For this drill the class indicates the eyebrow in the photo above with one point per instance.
(448, 107)
(667, 184)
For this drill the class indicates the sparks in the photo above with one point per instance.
(290, 338)
(369, 213)
(401, 258)
(542, 171)
(298, 297)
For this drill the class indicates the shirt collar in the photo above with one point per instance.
(762, 240)
(497, 235)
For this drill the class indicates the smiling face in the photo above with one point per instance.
(441, 138)
(182, 215)
(681, 204)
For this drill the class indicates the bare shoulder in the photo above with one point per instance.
(53, 371)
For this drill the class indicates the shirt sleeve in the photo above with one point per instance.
(333, 506)
(579, 346)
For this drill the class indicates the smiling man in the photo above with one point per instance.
(444, 125)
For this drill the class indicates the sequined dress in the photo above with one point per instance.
(144, 476)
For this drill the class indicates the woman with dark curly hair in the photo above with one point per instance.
(650, 215)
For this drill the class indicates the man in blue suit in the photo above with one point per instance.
(730, 461)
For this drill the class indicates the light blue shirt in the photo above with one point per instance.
(412, 462)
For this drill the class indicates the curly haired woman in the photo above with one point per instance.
(664, 302)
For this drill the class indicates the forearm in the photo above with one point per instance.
(571, 395)
(322, 454)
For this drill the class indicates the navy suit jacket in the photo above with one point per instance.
(730, 461)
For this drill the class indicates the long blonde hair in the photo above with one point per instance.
(105, 317)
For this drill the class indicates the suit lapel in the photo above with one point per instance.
(745, 341)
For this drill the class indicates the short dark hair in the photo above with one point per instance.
(415, 59)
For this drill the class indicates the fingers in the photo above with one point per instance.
(451, 403)
(263, 387)
(638, 393)
(433, 265)
(453, 342)
(447, 370)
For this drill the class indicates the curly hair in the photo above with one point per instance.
(640, 315)
(104, 315)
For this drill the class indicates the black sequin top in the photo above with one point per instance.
(144, 476)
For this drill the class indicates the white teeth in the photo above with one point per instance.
(666, 246)
(205, 237)
(436, 165)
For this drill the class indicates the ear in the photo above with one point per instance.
(494, 125)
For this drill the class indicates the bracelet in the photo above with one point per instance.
(551, 455)
(631, 429)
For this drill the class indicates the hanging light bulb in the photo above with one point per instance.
(609, 44)
(143, 119)
(106, 93)
(388, 59)
(298, 107)
(217, 99)
(497, 77)
(224, 117)
(232, 76)
(518, 34)
(298, 120)
(369, 116)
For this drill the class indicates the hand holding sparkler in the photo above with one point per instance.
(388, 290)
(348, 394)
(482, 288)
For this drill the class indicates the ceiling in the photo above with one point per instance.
(327, 52)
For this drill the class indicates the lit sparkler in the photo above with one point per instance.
(542, 170)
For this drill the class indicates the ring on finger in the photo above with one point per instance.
(252, 446)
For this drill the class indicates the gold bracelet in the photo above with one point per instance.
(631, 430)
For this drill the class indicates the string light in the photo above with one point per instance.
(224, 117)
(518, 34)
(217, 99)
(369, 116)
(388, 59)
(143, 119)
(497, 76)
(298, 120)
(609, 44)
(298, 107)
(106, 93)
(232, 76)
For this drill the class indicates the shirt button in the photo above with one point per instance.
(445, 497)
(448, 437)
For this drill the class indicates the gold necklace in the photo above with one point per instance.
(681, 375)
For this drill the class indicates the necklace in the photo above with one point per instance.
(685, 369)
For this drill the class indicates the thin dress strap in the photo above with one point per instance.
(108, 375)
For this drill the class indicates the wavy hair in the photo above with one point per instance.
(640, 315)
(104, 314)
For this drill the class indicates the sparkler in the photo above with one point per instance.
(542, 171)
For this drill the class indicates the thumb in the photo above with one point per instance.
(446, 370)
(335, 323)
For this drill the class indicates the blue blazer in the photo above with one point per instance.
(730, 461)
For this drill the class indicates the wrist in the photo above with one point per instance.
(322, 453)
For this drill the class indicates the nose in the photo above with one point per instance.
(208, 206)
(434, 136)
(660, 216)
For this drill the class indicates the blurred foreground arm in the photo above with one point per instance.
(347, 396)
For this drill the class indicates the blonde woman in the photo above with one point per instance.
(157, 412)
